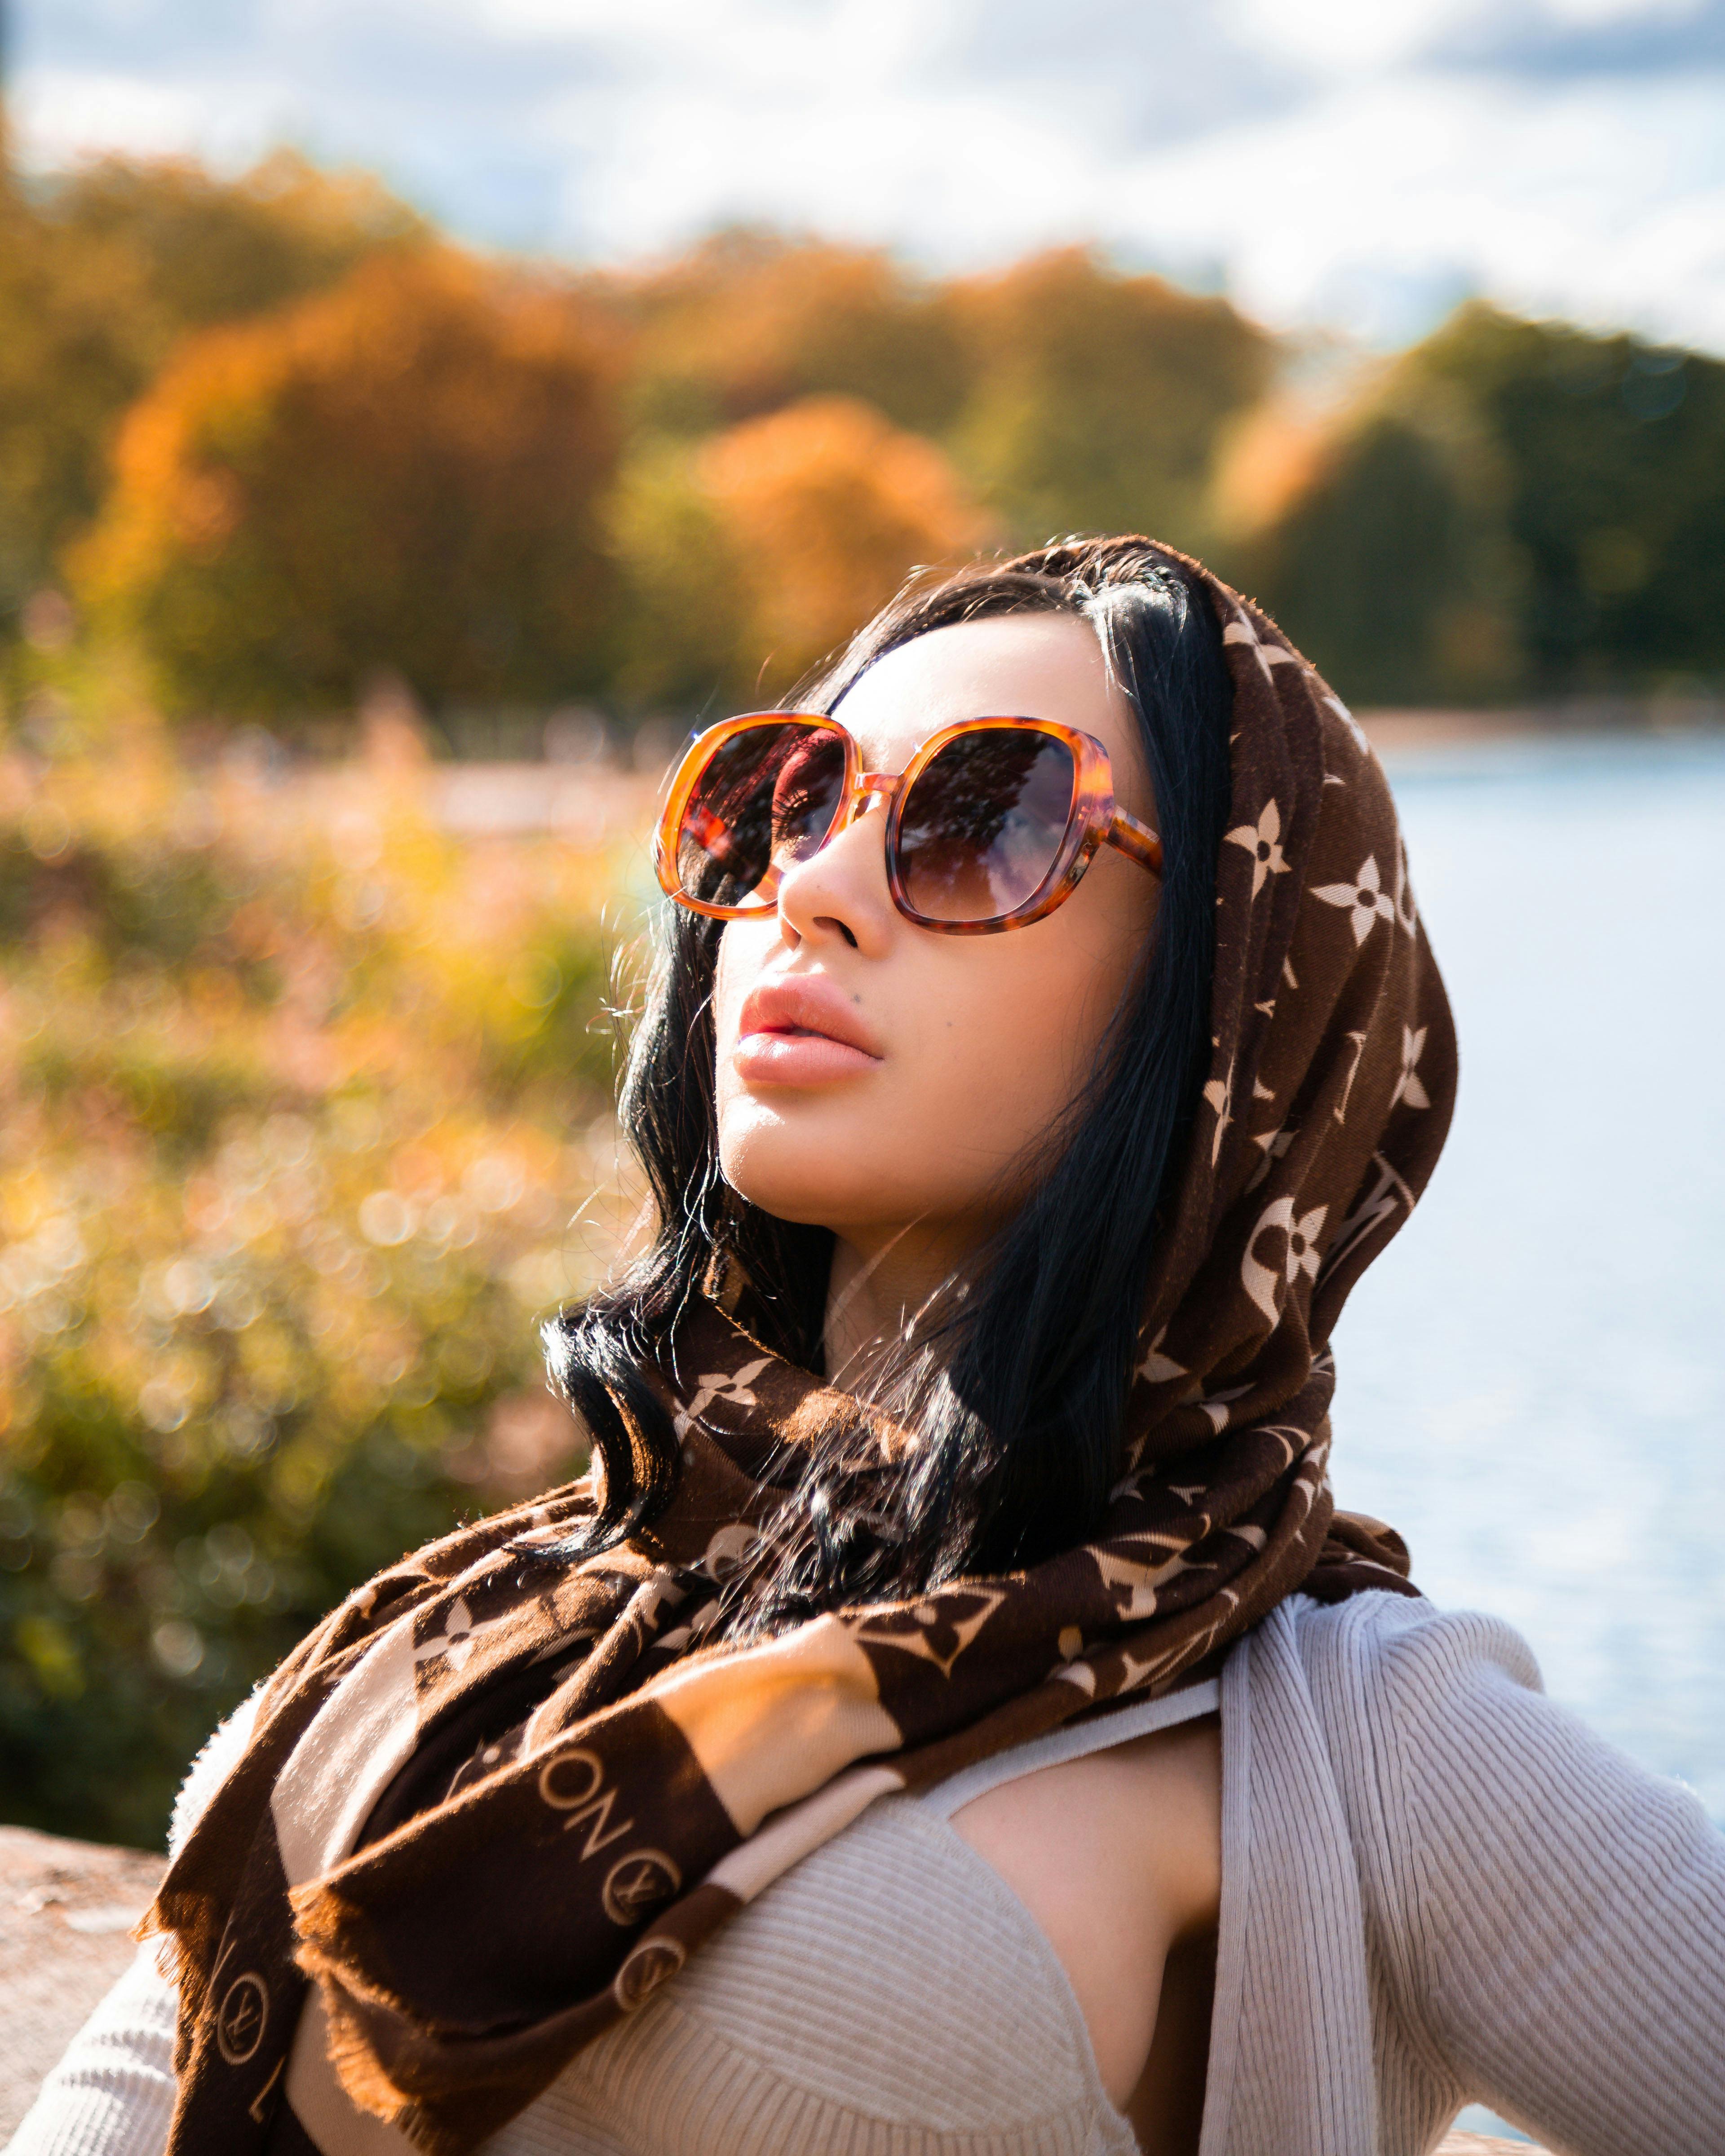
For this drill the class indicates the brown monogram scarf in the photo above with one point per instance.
(492, 1803)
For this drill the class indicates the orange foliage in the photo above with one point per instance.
(403, 472)
(827, 508)
(1268, 460)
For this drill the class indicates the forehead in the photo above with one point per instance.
(1028, 667)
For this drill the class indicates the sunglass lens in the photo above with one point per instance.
(768, 796)
(982, 827)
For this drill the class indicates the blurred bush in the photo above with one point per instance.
(400, 474)
(299, 1097)
(102, 270)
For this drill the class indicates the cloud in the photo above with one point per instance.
(1358, 161)
(1376, 213)
(1543, 45)
(1161, 71)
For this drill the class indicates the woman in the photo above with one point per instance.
(955, 1718)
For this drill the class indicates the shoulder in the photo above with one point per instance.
(1448, 1757)
(1380, 1655)
(1544, 1918)
(1400, 1708)
(1416, 1707)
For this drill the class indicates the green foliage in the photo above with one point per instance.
(1519, 508)
(1614, 453)
(685, 608)
(1097, 401)
(296, 1100)
(1391, 568)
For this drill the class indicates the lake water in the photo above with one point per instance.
(1532, 1377)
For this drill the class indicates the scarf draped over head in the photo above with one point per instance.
(493, 1802)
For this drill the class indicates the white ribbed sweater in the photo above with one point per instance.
(1437, 1888)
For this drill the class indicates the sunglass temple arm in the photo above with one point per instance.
(1136, 840)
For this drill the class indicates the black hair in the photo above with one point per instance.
(1015, 1386)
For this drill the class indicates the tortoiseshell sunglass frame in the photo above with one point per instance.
(1094, 819)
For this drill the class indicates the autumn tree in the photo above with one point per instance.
(776, 540)
(1096, 400)
(102, 270)
(215, 251)
(403, 472)
(70, 361)
(749, 322)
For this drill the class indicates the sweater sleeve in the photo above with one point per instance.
(1550, 1916)
(113, 2093)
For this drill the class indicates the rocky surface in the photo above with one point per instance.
(66, 1912)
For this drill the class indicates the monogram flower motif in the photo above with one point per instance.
(1366, 895)
(1239, 630)
(1218, 1094)
(1275, 1143)
(1407, 1086)
(1157, 1368)
(938, 1630)
(732, 1385)
(1265, 1283)
(1262, 841)
(454, 1641)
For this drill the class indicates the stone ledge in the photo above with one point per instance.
(66, 1912)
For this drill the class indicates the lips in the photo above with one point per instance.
(801, 1031)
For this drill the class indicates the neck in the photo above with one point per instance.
(878, 1288)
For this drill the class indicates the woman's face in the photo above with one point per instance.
(901, 1087)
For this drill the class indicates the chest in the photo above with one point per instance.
(894, 1990)
(1116, 1859)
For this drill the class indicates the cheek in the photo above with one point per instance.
(1011, 1039)
(1019, 1028)
(738, 966)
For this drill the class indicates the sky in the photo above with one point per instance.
(1356, 166)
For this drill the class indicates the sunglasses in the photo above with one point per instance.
(989, 826)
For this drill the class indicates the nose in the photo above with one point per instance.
(841, 892)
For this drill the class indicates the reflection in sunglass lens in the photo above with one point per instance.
(981, 827)
(768, 794)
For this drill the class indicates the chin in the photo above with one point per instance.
(819, 1178)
